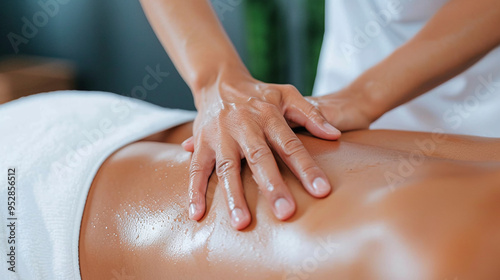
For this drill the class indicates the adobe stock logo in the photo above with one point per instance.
(325, 249)
(31, 27)
(364, 35)
(223, 6)
(122, 275)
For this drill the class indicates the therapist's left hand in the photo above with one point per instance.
(240, 117)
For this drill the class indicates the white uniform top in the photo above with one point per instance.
(360, 33)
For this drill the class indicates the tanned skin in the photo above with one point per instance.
(405, 205)
(250, 118)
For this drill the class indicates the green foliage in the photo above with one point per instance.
(315, 30)
(267, 41)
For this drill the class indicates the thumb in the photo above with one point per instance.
(188, 144)
(305, 114)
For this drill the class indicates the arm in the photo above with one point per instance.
(195, 41)
(458, 35)
(238, 115)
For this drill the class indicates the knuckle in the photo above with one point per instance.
(196, 194)
(193, 195)
(310, 170)
(311, 110)
(313, 114)
(272, 95)
(257, 154)
(225, 166)
(290, 88)
(266, 108)
(292, 147)
(195, 170)
(290, 93)
(313, 101)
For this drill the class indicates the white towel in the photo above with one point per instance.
(56, 142)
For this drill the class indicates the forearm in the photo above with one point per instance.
(460, 34)
(194, 39)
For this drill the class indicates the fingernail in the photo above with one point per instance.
(283, 208)
(330, 129)
(321, 187)
(185, 142)
(236, 216)
(192, 210)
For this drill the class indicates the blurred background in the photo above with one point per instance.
(109, 46)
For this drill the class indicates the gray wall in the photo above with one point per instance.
(110, 41)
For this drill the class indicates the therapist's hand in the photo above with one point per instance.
(346, 109)
(240, 117)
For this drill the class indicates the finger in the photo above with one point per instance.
(228, 168)
(308, 116)
(265, 170)
(296, 157)
(299, 111)
(188, 144)
(201, 167)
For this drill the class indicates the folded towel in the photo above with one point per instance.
(53, 144)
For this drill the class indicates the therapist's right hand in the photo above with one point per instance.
(347, 109)
(240, 117)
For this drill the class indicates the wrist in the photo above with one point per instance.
(226, 75)
(206, 78)
(374, 95)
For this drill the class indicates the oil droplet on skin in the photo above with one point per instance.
(270, 187)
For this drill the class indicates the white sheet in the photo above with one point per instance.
(56, 142)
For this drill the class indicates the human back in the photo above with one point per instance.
(135, 221)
